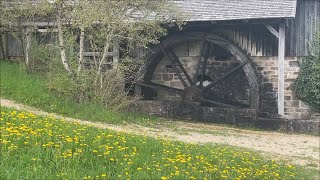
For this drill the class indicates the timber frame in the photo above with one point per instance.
(281, 54)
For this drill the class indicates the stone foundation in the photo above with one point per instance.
(240, 117)
(194, 111)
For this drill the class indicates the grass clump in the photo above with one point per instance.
(32, 89)
(34, 147)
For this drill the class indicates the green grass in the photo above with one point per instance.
(31, 89)
(35, 147)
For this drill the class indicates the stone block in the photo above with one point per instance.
(270, 95)
(303, 105)
(216, 64)
(294, 115)
(156, 77)
(267, 87)
(260, 68)
(305, 116)
(294, 103)
(176, 84)
(303, 110)
(274, 80)
(288, 110)
(287, 92)
(269, 73)
(293, 69)
(167, 77)
(310, 126)
(290, 80)
(270, 63)
(287, 98)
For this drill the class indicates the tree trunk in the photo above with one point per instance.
(81, 50)
(104, 56)
(64, 59)
(27, 43)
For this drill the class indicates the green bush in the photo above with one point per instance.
(307, 85)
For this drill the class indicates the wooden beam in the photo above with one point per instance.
(160, 87)
(226, 75)
(88, 54)
(217, 103)
(173, 65)
(116, 53)
(47, 30)
(176, 59)
(272, 30)
(281, 54)
(204, 60)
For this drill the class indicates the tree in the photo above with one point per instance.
(105, 21)
(98, 25)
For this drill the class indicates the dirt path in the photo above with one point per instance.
(297, 148)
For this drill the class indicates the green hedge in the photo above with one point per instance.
(307, 85)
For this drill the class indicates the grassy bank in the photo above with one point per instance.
(31, 89)
(34, 147)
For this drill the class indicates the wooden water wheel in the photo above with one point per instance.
(194, 89)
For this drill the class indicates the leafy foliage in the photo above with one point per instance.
(307, 85)
(88, 26)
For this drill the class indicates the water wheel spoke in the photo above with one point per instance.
(226, 75)
(176, 60)
(217, 103)
(161, 87)
(195, 78)
(173, 66)
(202, 63)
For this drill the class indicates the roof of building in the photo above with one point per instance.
(218, 10)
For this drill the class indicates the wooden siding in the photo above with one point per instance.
(14, 47)
(256, 40)
(301, 30)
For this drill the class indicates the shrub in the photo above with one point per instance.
(307, 85)
(108, 89)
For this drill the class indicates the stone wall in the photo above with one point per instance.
(268, 70)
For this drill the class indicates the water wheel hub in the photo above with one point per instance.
(193, 94)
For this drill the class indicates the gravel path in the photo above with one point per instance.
(298, 149)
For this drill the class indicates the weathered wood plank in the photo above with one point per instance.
(115, 57)
(173, 66)
(281, 69)
(176, 60)
(90, 54)
(160, 87)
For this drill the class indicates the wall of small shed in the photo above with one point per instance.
(300, 31)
